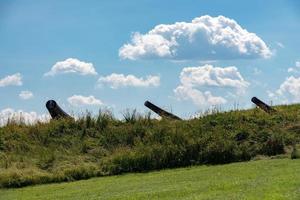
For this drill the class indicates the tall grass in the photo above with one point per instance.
(67, 150)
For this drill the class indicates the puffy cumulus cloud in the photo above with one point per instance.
(79, 100)
(120, 80)
(196, 83)
(26, 95)
(198, 97)
(208, 75)
(290, 88)
(205, 37)
(20, 116)
(15, 79)
(72, 65)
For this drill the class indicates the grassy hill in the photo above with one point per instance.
(67, 150)
(264, 179)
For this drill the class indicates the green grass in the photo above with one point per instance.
(67, 150)
(263, 179)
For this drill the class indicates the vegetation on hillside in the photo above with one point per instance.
(67, 150)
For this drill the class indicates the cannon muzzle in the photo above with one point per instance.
(55, 111)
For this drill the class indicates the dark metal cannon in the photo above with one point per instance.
(160, 111)
(263, 105)
(55, 111)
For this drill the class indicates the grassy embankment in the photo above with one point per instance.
(66, 150)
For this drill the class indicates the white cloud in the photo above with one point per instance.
(26, 95)
(208, 75)
(295, 69)
(120, 80)
(78, 100)
(271, 94)
(205, 38)
(72, 65)
(195, 80)
(198, 97)
(290, 88)
(280, 45)
(20, 116)
(15, 79)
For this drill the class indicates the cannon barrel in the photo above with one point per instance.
(160, 111)
(55, 111)
(262, 105)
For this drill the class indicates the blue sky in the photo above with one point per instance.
(37, 35)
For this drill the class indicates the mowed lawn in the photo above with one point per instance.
(263, 179)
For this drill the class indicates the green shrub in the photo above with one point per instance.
(273, 146)
(295, 153)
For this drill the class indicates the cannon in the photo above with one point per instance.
(160, 112)
(55, 111)
(262, 105)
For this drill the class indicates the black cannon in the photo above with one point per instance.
(160, 112)
(263, 105)
(55, 111)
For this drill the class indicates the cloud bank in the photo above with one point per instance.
(197, 83)
(120, 80)
(15, 79)
(20, 116)
(72, 65)
(204, 38)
